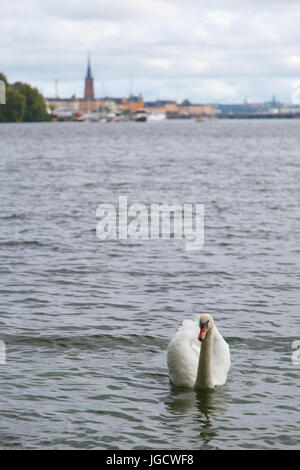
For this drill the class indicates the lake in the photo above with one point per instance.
(86, 323)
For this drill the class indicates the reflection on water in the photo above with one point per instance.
(207, 402)
(212, 401)
(203, 405)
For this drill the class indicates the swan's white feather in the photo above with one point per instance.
(183, 355)
(220, 359)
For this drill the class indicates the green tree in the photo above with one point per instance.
(13, 110)
(3, 78)
(35, 108)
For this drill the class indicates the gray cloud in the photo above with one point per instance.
(221, 51)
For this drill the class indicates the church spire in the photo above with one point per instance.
(88, 72)
(89, 82)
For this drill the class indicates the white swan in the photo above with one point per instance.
(198, 359)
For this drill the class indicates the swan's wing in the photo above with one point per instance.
(183, 355)
(220, 359)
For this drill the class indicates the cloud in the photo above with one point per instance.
(221, 47)
(111, 9)
(161, 64)
(293, 61)
(217, 90)
(266, 29)
(219, 18)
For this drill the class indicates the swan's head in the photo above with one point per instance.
(206, 323)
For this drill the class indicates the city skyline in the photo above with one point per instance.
(221, 53)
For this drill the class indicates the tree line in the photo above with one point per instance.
(23, 103)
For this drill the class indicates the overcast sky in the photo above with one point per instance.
(214, 51)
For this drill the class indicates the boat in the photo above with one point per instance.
(140, 116)
(156, 116)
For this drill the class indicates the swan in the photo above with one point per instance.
(198, 359)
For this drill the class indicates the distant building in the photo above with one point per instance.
(63, 107)
(133, 104)
(186, 109)
(248, 107)
(196, 110)
(86, 104)
(161, 106)
(89, 103)
(89, 83)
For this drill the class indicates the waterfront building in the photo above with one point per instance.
(89, 83)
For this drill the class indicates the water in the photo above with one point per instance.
(86, 323)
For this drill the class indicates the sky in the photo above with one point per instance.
(214, 51)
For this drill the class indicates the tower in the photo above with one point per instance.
(89, 83)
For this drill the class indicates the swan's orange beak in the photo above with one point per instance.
(202, 333)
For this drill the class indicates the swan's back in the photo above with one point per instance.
(183, 356)
(220, 359)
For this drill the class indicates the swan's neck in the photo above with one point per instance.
(204, 376)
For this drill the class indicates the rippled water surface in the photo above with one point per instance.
(86, 323)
